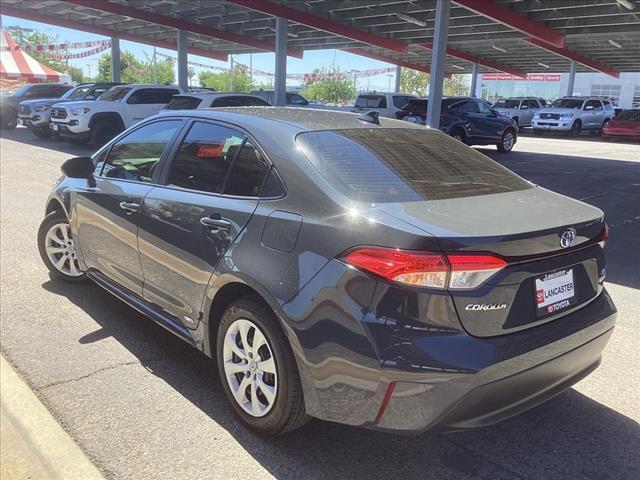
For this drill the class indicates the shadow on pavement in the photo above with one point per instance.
(570, 436)
(24, 135)
(587, 135)
(611, 185)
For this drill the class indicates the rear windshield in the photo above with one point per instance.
(567, 103)
(507, 104)
(183, 103)
(417, 104)
(371, 101)
(115, 94)
(404, 165)
(629, 115)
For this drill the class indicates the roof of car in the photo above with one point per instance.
(215, 95)
(302, 119)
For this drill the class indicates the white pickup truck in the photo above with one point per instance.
(120, 107)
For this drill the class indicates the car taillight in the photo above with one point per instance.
(604, 235)
(426, 269)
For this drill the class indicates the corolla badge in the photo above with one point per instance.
(484, 307)
(567, 238)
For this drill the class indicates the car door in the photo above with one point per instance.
(489, 123)
(590, 114)
(107, 210)
(210, 190)
(145, 102)
(526, 114)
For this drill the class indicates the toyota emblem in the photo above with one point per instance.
(567, 238)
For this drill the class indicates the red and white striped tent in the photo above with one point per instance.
(15, 63)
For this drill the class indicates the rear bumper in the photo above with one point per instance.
(372, 355)
(615, 132)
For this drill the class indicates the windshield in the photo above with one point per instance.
(183, 103)
(115, 94)
(404, 165)
(567, 103)
(507, 104)
(75, 93)
(633, 115)
(371, 101)
(20, 90)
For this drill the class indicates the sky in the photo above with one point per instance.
(261, 61)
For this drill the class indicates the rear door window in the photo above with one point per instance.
(404, 165)
(247, 173)
(371, 101)
(400, 101)
(183, 102)
(204, 157)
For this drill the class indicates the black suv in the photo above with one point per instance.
(347, 267)
(9, 103)
(470, 120)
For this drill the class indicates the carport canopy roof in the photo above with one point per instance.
(513, 36)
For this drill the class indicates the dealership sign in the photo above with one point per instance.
(531, 77)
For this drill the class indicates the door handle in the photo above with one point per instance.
(130, 207)
(216, 223)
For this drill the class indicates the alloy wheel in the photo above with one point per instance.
(61, 251)
(508, 141)
(250, 367)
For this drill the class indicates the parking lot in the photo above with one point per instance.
(143, 404)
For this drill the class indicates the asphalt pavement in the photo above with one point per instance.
(142, 404)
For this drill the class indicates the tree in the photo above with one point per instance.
(414, 82)
(457, 85)
(238, 81)
(338, 89)
(133, 70)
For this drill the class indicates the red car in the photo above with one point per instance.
(626, 124)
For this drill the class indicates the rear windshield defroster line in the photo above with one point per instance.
(404, 165)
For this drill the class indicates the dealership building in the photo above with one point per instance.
(624, 92)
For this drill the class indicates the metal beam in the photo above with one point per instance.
(509, 18)
(474, 81)
(183, 62)
(280, 80)
(571, 55)
(438, 59)
(481, 61)
(107, 32)
(115, 60)
(398, 77)
(572, 78)
(147, 16)
(324, 24)
(382, 58)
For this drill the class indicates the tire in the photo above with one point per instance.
(102, 132)
(41, 132)
(9, 121)
(459, 134)
(576, 128)
(51, 228)
(285, 412)
(507, 141)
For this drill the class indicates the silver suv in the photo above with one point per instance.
(520, 109)
(572, 115)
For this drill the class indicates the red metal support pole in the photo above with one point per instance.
(324, 24)
(152, 17)
(571, 55)
(480, 61)
(498, 13)
(107, 32)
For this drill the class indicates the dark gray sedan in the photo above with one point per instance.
(362, 271)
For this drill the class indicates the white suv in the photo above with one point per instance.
(573, 115)
(385, 103)
(520, 109)
(120, 107)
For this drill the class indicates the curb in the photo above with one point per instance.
(34, 445)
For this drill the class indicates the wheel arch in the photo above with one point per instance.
(55, 204)
(107, 117)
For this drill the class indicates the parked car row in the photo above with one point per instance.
(470, 120)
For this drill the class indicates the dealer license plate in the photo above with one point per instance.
(54, 127)
(555, 292)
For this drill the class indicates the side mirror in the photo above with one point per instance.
(494, 113)
(78, 167)
(589, 107)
